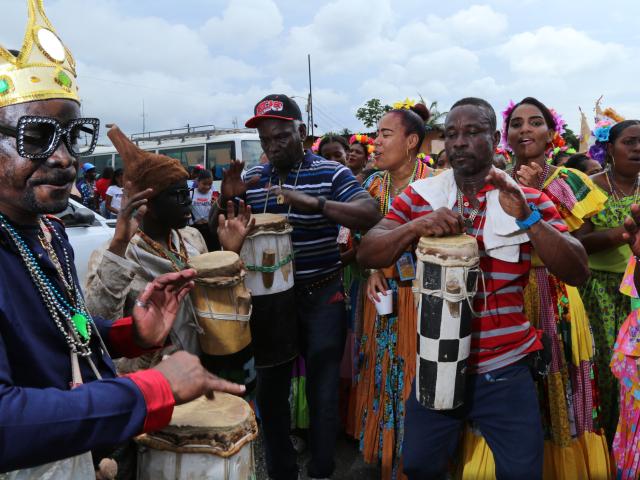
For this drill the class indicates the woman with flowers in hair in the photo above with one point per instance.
(360, 148)
(617, 146)
(387, 352)
(574, 444)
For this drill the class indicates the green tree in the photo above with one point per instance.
(372, 112)
(571, 139)
(436, 120)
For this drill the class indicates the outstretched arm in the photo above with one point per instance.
(562, 254)
(385, 242)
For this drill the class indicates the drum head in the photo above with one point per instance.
(270, 222)
(220, 426)
(218, 268)
(458, 250)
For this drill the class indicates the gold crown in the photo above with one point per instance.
(44, 68)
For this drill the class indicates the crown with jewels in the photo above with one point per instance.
(44, 68)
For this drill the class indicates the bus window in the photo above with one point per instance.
(188, 156)
(100, 161)
(219, 155)
(251, 151)
(117, 162)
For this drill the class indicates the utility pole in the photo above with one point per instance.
(144, 117)
(310, 94)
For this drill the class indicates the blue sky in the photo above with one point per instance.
(208, 62)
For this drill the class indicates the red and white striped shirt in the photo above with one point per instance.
(501, 334)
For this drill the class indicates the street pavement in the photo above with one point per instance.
(349, 462)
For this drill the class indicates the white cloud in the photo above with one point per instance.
(243, 26)
(555, 51)
(476, 24)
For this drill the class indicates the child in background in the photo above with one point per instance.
(203, 197)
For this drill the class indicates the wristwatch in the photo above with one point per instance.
(531, 220)
(321, 202)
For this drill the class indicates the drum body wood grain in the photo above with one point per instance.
(205, 440)
(446, 283)
(222, 303)
(268, 256)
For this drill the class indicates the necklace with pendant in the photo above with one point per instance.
(468, 221)
(69, 311)
(280, 197)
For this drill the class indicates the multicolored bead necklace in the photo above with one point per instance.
(68, 312)
(178, 259)
(386, 185)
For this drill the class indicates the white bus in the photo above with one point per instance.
(205, 145)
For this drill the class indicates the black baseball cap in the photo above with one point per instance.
(274, 106)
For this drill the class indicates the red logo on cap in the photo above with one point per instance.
(269, 106)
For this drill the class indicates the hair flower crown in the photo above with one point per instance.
(405, 104)
(558, 121)
(365, 140)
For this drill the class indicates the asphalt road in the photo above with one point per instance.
(349, 462)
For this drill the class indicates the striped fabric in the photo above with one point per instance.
(314, 236)
(501, 334)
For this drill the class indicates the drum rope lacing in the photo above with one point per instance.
(279, 264)
(463, 294)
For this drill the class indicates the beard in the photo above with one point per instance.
(52, 205)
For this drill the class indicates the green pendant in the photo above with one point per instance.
(81, 321)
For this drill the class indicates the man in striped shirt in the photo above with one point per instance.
(500, 395)
(316, 195)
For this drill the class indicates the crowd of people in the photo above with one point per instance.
(552, 384)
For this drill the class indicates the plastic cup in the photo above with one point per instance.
(385, 305)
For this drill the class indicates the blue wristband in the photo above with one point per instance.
(532, 219)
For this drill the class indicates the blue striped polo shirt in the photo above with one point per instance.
(314, 235)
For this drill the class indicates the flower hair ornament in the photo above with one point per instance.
(598, 151)
(558, 121)
(364, 140)
(315, 148)
(423, 157)
(406, 104)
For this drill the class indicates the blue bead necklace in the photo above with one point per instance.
(72, 320)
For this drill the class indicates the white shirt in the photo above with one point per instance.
(201, 205)
(115, 193)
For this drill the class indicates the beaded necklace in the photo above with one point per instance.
(543, 177)
(178, 259)
(386, 185)
(617, 193)
(69, 312)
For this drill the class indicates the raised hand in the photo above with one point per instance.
(156, 308)
(530, 175)
(129, 218)
(632, 227)
(189, 379)
(232, 184)
(512, 199)
(233, 229)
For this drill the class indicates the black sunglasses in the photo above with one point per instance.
(182, 196)
(38, 138)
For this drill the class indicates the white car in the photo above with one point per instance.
(87, 231)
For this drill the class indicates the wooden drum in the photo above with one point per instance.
(446, 282)
(268, 256)
(206, 439)
(222, 303)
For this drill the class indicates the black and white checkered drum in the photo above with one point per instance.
(446, 282)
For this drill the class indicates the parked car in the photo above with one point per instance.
(87, 231)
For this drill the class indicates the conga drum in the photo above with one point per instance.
(222, 303)
(267, 254)
(446, 282)
(206, 439)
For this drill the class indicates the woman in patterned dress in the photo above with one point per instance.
(387, 351)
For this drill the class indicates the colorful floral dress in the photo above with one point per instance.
(386, 360)
(605, 306)
(575, 446)
(625, 366)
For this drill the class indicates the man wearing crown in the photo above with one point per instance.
(59, 393)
